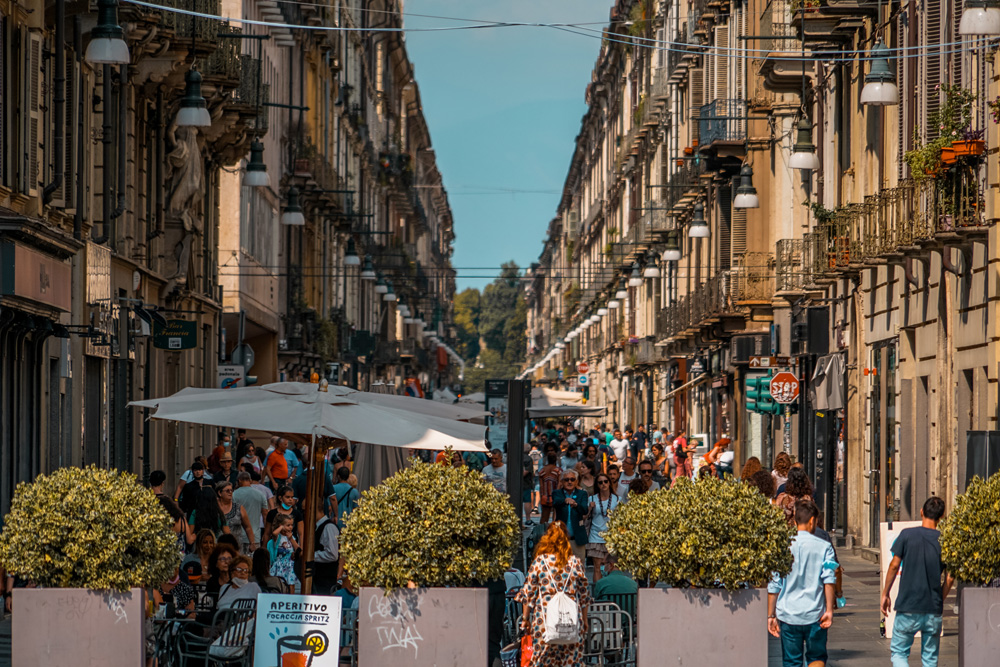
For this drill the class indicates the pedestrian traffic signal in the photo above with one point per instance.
(758, 395)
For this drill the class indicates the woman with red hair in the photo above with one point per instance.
(555, 569)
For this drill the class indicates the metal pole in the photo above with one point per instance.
(314, 498)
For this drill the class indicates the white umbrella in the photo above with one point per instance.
(296, 407)
(453, 411)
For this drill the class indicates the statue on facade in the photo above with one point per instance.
(187, 192)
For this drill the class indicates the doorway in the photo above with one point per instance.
(882, 454)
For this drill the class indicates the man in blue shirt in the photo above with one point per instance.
(920, 600)
(347, 496)
(800, 605)
(571, 505)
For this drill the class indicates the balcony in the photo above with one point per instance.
(753, 279)
(722, 122)
(709, 303)
(826, 21)
(780, 69)
(789, 267)
(642, 353)
(682, 187)
(651, 225)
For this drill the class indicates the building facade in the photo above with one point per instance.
(134, 261)
(865, 255)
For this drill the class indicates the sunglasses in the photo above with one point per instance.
(646, 471)
(241, 569)
(603, 481)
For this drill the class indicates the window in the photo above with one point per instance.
(258, 220)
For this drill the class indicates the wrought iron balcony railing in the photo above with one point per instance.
(722, 120)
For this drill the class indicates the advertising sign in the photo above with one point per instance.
(231, 375)
(496, 405)
(297, 631)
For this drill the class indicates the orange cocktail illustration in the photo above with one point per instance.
(298, 651)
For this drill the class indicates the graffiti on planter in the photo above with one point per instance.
(394, 619)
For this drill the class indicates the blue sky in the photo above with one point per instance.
(503, 106)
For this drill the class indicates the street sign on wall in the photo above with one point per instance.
(784, 388)
(175, 335)
(769, 362)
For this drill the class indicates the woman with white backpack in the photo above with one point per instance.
(555, 599)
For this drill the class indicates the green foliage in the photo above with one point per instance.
(88, 528)
(639, 22)
(952, 118)
(925, 159)
(970, 534)
(821, 214)
(467, 304)
(706, 534)
(432, 525)
(327, 340)
(498, 303)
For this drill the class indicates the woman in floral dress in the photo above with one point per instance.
(554, 569)
(282, 548)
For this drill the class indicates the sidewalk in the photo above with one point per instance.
(854, 639)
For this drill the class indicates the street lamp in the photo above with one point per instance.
(635, 279)
(107, 39)
(746, 193)
(980, 17)
(292, 214)
(698, 229)
(351, 255)
(368, 272)
(651, 270)
(614, 304)
(194, 110)
(672, 251)
(880, 84)
(389, 294)
(804, 151)
(602, 311)
(380, 287)
(622, 293)
(255, 173)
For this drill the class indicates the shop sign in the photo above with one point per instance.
(297, 631)
(30, 274)
(175, 335)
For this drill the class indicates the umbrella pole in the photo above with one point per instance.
(314, 499)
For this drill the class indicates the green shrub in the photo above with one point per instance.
(706, 534)
(88, 528)
(970, 534)
(432, 525)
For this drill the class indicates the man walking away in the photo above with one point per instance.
(920, 600)
(800, 606)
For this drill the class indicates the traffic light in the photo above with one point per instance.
(758, 395)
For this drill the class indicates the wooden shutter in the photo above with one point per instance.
(737, 231)
(5, 119)
(67, 191)
(904, 111)
(724, 228)
(31, 128)
(956, 52)
(931, 66)
(696, 87)
(722, 57)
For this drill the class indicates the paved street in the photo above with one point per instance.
(854, 637)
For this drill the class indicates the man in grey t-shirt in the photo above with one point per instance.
(254, 502)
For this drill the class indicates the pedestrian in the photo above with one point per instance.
(221, 447)
(615, 474)
(571, 503)
(252, 458)
(204, 545)
(263, 489)
(782, 464)
(496, 472)
(646, 475)
(763, 482)
(637, 487)
(206, 515)
(286, 504)
(712, 457)
(750, 468)
(261, 573)
(227, 473)
(638, 442)
(570, 458)
(601, 504)
(661, 465)
(619, 445)
(282, 547)
(235, 516)
(627, 475)
(682, 456)
(347, 496)
(175, 591)
(195, 477)
(536, 456)
(614, 583)
(798, 487)
(920, 598)
(528, 491)
(239, 587)
(243, 445)
(254, 504)
(587, 475)
(218, 568)
(548, 482)
(800, 605)
(555, 569)
(277, 464)
(326, 558)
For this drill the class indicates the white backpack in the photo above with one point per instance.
(562, 620)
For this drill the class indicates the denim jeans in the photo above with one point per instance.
(793, 637)
(905, 627)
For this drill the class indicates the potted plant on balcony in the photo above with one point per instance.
(955, 138)
(417, 543)
(89, 541)
(971, 144)
(970, 550)
(716, 544)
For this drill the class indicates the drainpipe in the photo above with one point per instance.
(78, 50)
(122, 141)
(59, 100)
(908, 272)
(106, 158)
(159, 166)
(947, 264)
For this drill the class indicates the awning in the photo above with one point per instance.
(554, 403)
(698, 380)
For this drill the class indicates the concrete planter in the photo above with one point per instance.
(669, 619)
(978, 626)
(422, 627)
(78, 626)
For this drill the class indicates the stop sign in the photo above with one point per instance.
(784, 388)
(582, 367)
